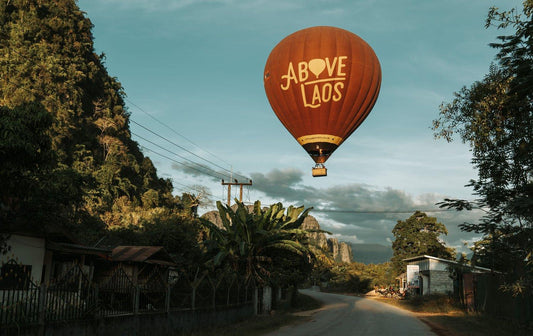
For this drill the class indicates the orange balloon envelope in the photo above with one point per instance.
(322, 83)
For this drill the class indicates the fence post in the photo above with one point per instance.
(96, 301)
(256, 300)
(167, 299)
(193, 298)
(136, 299)
(245, 293)
(42, 308)
(214, 300)
(228, 293)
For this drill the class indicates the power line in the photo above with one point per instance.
(187, 139)
(380, 211)
(231, 173)
(165, 149)
(188, 166)
(168, 158)
(186, 150)
(174, 131)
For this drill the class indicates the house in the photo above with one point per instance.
(35, 258)
(145, 269)
(24, 263)
(72, 274)
(431, 275)
(144, 264)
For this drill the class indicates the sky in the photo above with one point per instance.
(192, 71)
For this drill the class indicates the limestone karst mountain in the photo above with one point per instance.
(317, 238)
(340, 251)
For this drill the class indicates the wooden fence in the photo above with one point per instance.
(74, 297)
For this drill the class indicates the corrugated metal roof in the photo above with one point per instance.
(149, 254)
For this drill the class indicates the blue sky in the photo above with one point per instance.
(197, 67)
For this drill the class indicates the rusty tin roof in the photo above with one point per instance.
(144, 254)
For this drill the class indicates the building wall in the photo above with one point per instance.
(440, 282)
(424, 288)
(27, 251)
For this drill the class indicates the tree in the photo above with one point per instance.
(495, 117)
(94, 169)
(179, 234)
(38, 192)
(260, 244)
(418, 235)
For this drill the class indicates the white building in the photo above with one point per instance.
(435, 275)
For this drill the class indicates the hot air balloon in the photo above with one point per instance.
(322, 83)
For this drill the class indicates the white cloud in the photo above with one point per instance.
(348, 238)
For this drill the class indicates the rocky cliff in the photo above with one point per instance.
(316, 238)
(340, 251)
(214, 216)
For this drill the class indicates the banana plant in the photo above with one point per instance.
(249, 241)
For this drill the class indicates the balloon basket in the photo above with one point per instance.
(319, 170)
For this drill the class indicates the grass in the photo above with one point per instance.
(446, 319)
(260, 325)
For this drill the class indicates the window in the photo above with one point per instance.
(15, 276)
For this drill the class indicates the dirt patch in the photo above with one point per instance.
(436, 326)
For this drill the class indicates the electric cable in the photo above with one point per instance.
(188, 166)
(188, 151)
(181, 163)
(379, 211)
(174, 131)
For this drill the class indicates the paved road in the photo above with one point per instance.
(347, 315)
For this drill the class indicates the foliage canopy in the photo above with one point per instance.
(67, 153)
(495, 117)
(418, 235)
(266, 245)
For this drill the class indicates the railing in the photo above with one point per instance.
(74, 297)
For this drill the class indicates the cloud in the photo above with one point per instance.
(282, 184)
(366, 212)
(287, 184)
(197, 171)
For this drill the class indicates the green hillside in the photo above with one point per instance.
(68, 159)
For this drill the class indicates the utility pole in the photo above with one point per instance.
(229, 184)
